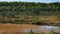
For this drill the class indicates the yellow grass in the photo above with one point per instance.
(13, 28)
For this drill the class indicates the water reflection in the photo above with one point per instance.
(43, 28)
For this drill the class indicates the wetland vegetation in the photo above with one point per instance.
(30, 13)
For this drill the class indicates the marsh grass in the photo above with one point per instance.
(42, 33)
(28, 33)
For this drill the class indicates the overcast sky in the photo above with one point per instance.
(46, 1)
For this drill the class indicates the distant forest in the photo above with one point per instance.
(29, 12)
(14, 9)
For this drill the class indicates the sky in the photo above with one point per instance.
(44, 1)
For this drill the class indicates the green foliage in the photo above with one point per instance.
(28, 8)
(25, 9)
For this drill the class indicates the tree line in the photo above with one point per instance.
(28, 8)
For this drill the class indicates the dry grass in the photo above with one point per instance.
(36, 18)
(14, 28)
(50, 19)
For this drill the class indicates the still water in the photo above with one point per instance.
(43, 28)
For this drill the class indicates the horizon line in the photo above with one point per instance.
(26, 1)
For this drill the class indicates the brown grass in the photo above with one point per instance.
(50, 19)
(36, 18)
(14, 28)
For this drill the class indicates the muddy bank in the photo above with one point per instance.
(27, 28)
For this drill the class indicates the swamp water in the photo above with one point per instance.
(43, 28)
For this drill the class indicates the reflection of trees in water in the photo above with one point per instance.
(55, 30)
